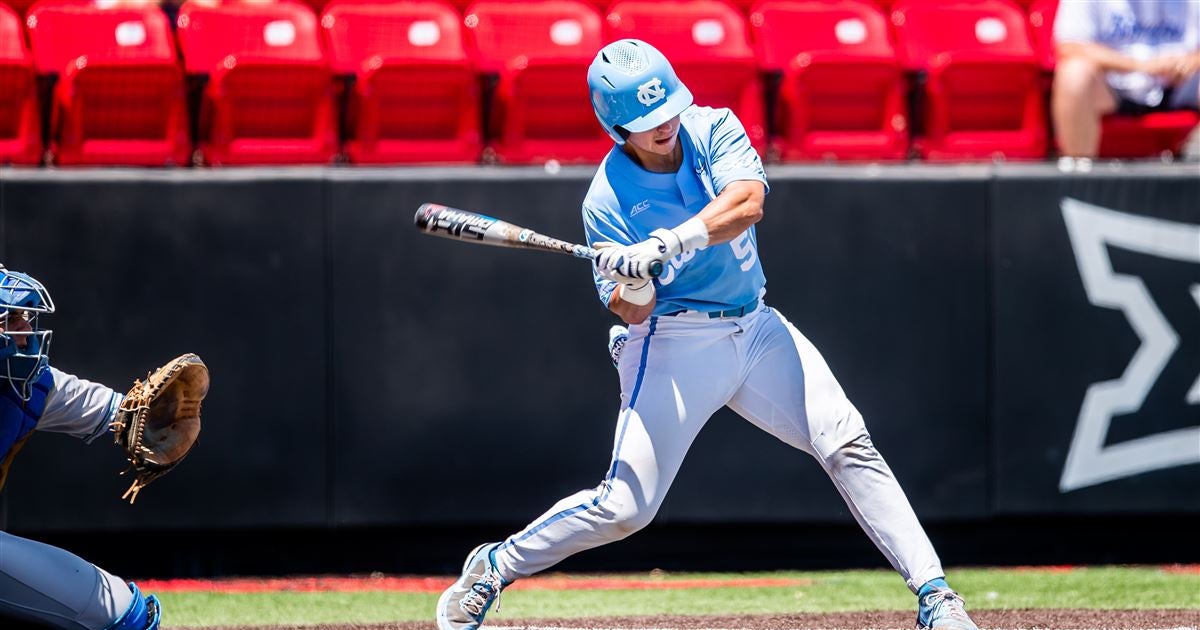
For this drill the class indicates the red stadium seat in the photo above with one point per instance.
(743, 6)
(269, 97)
(1041, 28)
(540, 50)
(119, 98)
(887, 5)
(20, 124)
(842, 93)
(21, 7)
(416, 96)
(60, 31)
(983, 96)
(1148, 135)
(318, 6)
(708, 44)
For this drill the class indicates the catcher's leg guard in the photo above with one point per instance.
(144, 613)
(52, 588)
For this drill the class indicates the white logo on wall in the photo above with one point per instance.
(1093, 230)
(651, 92)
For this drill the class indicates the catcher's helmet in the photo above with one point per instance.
(23, 297)
(633, 88)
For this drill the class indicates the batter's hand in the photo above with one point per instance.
(630, 264)
(614, 263)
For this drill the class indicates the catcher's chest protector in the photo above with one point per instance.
(18, 418)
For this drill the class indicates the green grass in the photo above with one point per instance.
(1101, 588)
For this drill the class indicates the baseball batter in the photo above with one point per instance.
(41, 584)
(684, 187)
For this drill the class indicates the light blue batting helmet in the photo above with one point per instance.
(22, 366)
(634, 88)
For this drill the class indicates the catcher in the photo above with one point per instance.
(156, 423)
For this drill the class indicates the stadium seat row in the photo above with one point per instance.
(417, 81)
(744, 6)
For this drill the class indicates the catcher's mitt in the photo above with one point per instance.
(159, 420)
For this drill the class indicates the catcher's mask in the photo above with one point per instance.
(23, 298)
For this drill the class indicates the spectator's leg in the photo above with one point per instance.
(1081, 97)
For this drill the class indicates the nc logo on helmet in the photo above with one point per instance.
(651, 92)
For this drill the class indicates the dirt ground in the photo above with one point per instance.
(995, 619)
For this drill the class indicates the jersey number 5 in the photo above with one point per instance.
(743, 250)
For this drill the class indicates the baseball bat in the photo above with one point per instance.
(472, 227)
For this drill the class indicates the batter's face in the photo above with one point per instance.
(16, 321)
(655, 147)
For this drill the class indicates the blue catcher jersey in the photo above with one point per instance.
(626, 202)
(19, 417)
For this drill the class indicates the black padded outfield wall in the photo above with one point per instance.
(1096, 338)
(144, 269)
(364, 375)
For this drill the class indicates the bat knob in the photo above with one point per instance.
(656, 269)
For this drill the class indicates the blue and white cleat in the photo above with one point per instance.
(943, 609)
(617, 336)
(144, 613)
(464, 605)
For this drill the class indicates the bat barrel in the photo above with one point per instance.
(425, 213)
(444, 221)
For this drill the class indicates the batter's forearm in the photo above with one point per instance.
(628, 312)
(739, 206)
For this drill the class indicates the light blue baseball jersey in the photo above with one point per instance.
(626, 203)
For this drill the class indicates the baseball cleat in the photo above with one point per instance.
(464, 605)
(144, 613)
(942, 609)
(617, 336)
